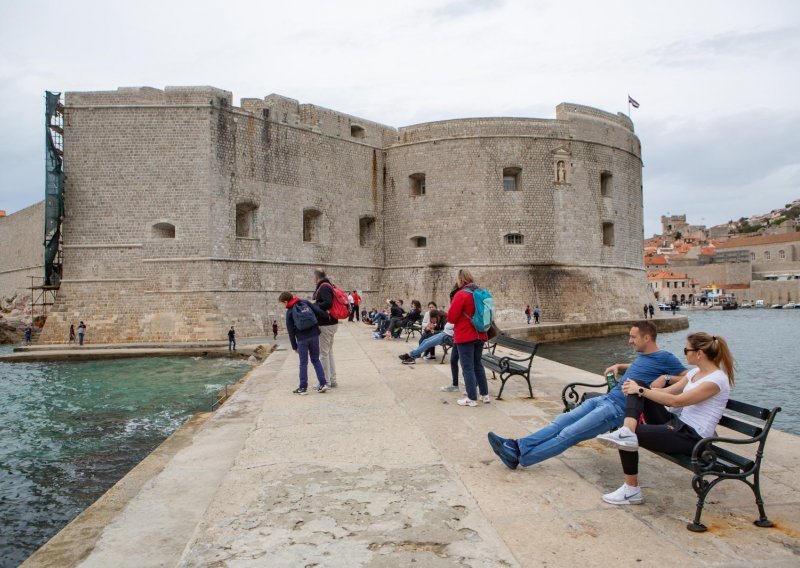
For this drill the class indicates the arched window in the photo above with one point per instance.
(767, 255)
(417, 184)
(419, 242)
(246, 220)
(366, 231)
(514, 239)
(781, 254)
(163, 231)
(605, 184)
(511, 179)
(752, 257)
(311, 225)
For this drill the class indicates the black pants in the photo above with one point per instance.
(664, 432)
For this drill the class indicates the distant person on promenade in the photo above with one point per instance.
(652, 368)
(703, 394)
(328, 325)
(468, 340)
(645, 311)
(528, 313)
(81, 332)
(71, 339)
(302, 325)
(673, 306)
(274, 329)
(351, 302)
(28, 334)
(357, 302)
(652, 310)
(231, 339)
(536, 314)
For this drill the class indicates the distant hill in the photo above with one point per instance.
(759, 223)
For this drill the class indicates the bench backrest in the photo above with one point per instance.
(516, 344)
(765, 415)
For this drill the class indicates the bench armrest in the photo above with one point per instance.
(569, 394)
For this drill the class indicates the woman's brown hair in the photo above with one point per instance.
(464, 277)
(716, 348)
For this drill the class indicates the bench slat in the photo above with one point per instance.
(739, 426)
(748, 409)
(516, 344)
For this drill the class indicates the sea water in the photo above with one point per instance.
(764, 343)
(69, 431)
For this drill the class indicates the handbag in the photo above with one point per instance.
(493, 331)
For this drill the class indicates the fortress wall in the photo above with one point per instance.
(21, 253)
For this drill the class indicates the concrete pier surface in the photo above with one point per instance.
(386, 470)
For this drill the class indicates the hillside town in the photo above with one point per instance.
(752, 262)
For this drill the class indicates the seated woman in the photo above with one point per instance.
(703, 394)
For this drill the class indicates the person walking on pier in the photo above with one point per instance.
(81, 332)
(528, 313)
(645, 311)
(71, 339)
(231, 339)
(653, 368)
(536, 314)
(28, 334)
(302, 325)
(274, 329)
(652, 311)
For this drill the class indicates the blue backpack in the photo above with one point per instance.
(484, 309)
(303, 316)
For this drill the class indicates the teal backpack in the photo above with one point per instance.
(484, 309)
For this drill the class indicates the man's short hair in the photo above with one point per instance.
(319, 273)
(647, 328)
(285, 297)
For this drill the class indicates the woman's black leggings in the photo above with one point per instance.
(663, 432)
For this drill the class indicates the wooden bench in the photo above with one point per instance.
(507, 366)
(709, 462)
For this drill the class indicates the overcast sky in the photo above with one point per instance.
(717, 80)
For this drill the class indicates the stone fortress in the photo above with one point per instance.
(185, 214)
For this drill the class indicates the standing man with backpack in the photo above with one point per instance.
(332, 301)
(302, 326)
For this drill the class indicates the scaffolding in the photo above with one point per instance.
(54, 188)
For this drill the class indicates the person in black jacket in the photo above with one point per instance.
(305, 342)
(323, 297)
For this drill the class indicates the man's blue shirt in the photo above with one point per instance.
(647, 368)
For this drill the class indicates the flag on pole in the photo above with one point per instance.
(632, 102)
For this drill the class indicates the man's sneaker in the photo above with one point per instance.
(486, 399)
(506, 449)
(333, 384)
(622, 439)
(323, 388)
(410, 361)
(466, 402)
(429, 357)
(298, 390)
(449, 388)
(625, 495)
(405, 356)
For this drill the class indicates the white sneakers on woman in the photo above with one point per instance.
(625, 495)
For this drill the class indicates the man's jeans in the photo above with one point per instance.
(472, 368)
(326, 333)
(432, 341)
(305, 348)
(595, 416)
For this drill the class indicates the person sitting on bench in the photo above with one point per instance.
(596, 415)
(703, 394)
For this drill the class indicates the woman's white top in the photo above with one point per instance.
(704, 416)
(426, 319)
(448, 328)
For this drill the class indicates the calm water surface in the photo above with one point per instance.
(764, 343)
(69, 431)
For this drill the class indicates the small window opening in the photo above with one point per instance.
(605, 184)
(782, 254)
(164, 231)
(514, 239)
(417, 182)
(311, 225)
(767, 255)
(246, 220)
(357, 131)
(366, 231)
(419, 242)
(752, 257)
(608, 234)
(511, 179)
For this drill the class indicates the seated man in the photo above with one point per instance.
(440, 338)
(596, 415)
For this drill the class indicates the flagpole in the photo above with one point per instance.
(629, 107)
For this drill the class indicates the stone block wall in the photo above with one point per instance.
(186, 215)
(21, 251)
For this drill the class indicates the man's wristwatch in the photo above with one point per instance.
(641, 391)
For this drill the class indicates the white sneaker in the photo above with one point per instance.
(449, 388)
(625, 495)
(466, 402)
(622, 439)
(486, 399)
